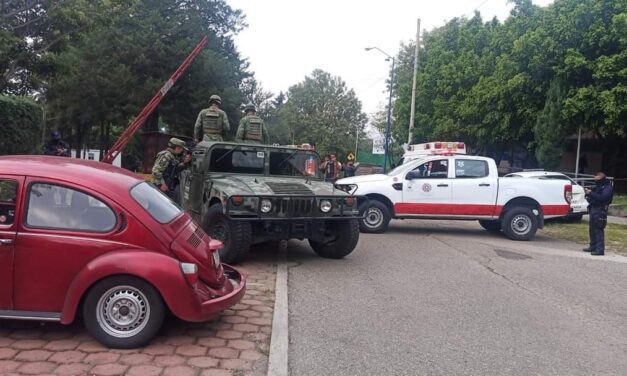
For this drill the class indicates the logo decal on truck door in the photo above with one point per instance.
(426, 187)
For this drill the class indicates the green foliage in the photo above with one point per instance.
(20, 125)
(489, 83)
(321, 111)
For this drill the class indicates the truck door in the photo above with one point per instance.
(426, 190)
(474, 189)
(9, 201)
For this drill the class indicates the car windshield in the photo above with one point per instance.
(294, 163)
(236, 160)
(158, 205)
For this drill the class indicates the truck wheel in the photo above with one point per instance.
(236, 235)
(376, 217)
(519, 224)
(341, 239)
(123, 312)
(492, 226)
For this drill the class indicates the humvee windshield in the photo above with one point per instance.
(287, 162)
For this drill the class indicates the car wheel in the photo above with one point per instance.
(340, 239)
(519, 224)
(123, 312)
(376, 217)
(235, 235)
(492, 226)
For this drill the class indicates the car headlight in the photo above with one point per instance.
(266, 205)
(348, 188)
(325, 206)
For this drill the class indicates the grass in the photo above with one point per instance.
(615, 235)
(619, 200)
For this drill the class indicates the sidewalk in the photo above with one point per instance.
(611, 219)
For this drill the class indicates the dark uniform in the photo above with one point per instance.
(56, 146)
(599, 199)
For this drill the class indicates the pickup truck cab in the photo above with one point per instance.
(458, 187)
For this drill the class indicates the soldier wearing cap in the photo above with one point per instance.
(599, 198)
(251, 128)
(167, 165)
(212, 123)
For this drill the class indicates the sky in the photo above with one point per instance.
(287, 39)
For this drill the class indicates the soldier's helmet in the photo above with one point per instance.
(215, 98)
(177, 142)
(250, 107)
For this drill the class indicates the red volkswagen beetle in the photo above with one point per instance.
(81, 236)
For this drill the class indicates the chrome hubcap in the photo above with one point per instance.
(123, 311)
(374, 217)
(521, 224)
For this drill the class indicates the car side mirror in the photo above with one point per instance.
(411, 175)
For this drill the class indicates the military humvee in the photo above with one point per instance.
(246, 194)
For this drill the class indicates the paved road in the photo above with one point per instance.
(447, 298)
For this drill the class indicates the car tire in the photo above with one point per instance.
(236, 235)
(519, 224)
(492, 226)
(141, 302)
(376, 217)
(346, 236)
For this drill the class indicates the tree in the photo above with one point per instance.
(550, 131)
(322, 111)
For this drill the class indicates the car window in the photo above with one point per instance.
(434, 169)
(8, 196)
(294, 163)
(57, 207)
(469, 168)
(158, 205)
(237, 161)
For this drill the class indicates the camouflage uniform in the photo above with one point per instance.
(251, 128)
(163, 161)
(212, 122)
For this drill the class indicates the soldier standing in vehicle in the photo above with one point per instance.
(212, 123)
(167, 165)
(599, 198)
(251, 128)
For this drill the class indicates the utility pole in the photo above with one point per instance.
(578, 152)
(356, 142)
(413, 89)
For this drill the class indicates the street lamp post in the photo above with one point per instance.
(389, 116)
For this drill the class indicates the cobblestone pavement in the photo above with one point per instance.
(236, 343)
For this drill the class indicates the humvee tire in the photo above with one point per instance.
(235, 235)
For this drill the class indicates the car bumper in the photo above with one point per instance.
(210, 303)
(578, 208)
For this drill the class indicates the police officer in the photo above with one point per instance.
(212, 123)
(56, 146)
(167, 164)
(599, 198)
(251, 128)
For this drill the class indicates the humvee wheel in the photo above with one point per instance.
(236, 235)
(341, 238)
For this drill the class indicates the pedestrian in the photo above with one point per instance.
(212, 123)
(599, 198)
(331, 168)
(56, 146)
(251, 128)
(168, 163)
(349, 169)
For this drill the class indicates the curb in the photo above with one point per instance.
(279, 340)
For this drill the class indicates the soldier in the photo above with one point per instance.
(251, 128)
(212, 122)
(167, 164)
(599, 198)
(56, 146)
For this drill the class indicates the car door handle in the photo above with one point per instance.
(442, 185)
(6, 241)
(484, 184)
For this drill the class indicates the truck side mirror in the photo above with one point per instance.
(411, 175)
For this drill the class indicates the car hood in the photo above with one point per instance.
(270, 186)
(363, 179)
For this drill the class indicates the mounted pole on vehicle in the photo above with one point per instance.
(413, 88)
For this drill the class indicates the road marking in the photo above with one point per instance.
(277, 362)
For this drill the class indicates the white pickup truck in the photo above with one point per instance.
(458, 187)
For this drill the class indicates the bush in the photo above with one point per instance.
(20, 125)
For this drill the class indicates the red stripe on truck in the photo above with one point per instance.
(467, 209)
